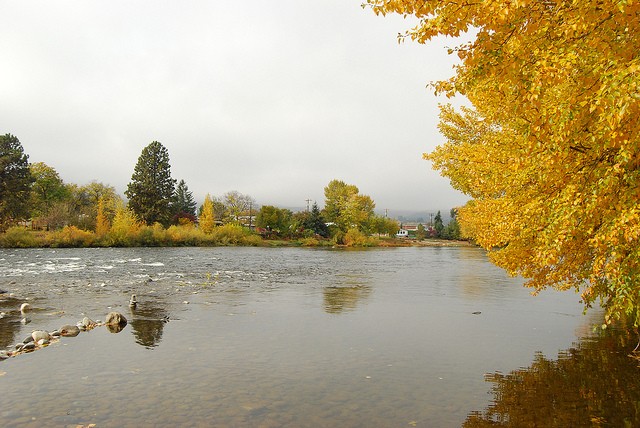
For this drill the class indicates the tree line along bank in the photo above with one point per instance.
(38, 209)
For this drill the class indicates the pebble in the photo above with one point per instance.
(25, 320)
(86, 323)
(28, 339)
(4, 355)
(29, 347)
(19, 346)
(43, 342)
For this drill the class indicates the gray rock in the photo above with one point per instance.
(25, 320)
(69, 330)
(28, 339)
(4, 355)
(29, 347)
(25, 307)
(115, 318)
(43, 342)
(19, 346)
(54, 333)
(39, 335)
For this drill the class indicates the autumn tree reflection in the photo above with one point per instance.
(147, 323)
(592, 384)
(340, 299)
(9, 321)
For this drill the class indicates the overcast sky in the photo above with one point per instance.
(270, 98)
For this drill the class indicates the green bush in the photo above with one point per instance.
(18, 237)
(310, 242)
(252, 240)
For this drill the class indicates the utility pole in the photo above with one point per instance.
(250, 207)
(386, 213)
(308, 201)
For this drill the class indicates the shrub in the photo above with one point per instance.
(18, 237)
(252, 240)
(71, 236)
(229, 234)
(355, 238)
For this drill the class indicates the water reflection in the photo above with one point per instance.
(340, 299)
(147, 322)
(9, 320)
(591, 384)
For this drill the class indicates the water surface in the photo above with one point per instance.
(284, 337)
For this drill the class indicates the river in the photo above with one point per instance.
(293, 337)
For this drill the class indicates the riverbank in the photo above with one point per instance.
(183, 236)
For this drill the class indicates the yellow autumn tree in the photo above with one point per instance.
(102, 222)
(207, 219)
(125, 226)
(550, 150)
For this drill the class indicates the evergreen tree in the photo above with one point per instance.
(15, 180)
(183, 201)
(150, 191)
(438, 225)
(452, 231)
(314, 221)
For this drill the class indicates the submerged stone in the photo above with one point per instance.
(69, 330)
(115, 318)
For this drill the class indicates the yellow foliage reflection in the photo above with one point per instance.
(591, 384)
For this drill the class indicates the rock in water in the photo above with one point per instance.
(25, 307)
(69, 330)
(39, 335)
(115, 318)
(86, 324)
(133, 303)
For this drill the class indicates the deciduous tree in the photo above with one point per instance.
(336, 194)
(103, 225)
(550, 150)
(207, 220)
(347, 208)
(48, 188)
(274, 219)
(237, 204)
(150, 191)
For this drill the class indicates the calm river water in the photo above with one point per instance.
(290, 337)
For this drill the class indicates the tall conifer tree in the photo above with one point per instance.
(151, 189)
(183, 200)
(15, 179)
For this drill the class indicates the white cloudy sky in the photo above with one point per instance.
(270, 98)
